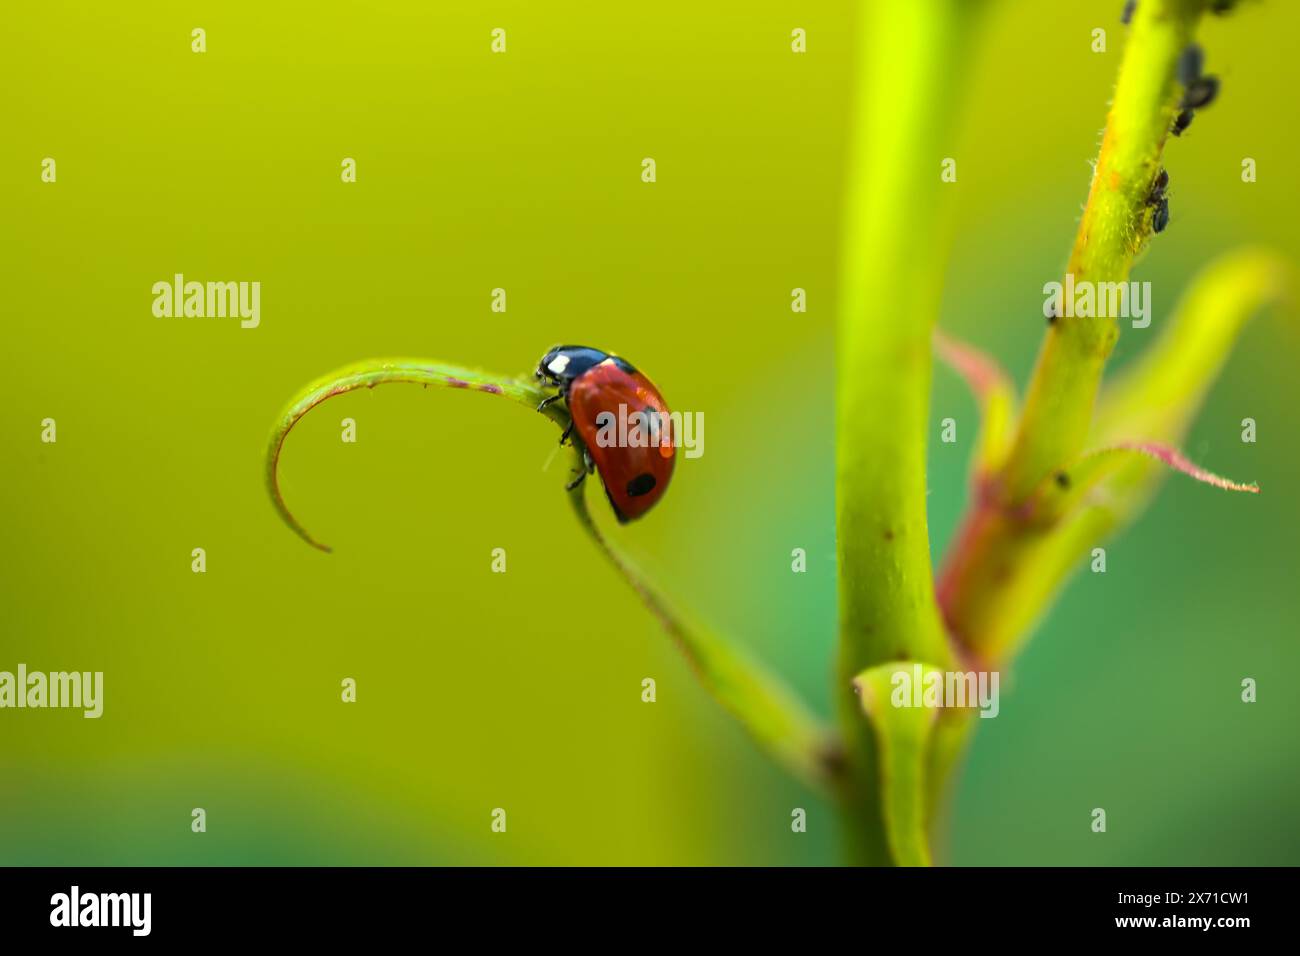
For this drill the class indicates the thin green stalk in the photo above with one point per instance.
(372, 372)
(1005, 567)
(1027, 524)
(1116, 224)
(776, 719)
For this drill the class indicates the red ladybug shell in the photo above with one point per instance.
(634, 477)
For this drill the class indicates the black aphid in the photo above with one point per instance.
(1189, 64)
(1161, 218)
(1159, 185)
(1201, 93)
(1158, 199)
(1198, 91)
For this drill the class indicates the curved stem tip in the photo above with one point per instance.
(374, 372)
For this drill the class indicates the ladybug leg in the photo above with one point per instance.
(550, 399)
(588, 466)
(567, 432)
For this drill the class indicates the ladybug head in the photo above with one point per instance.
(564, 363)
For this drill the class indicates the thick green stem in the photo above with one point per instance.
(895, 243)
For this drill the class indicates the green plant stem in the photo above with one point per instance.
(1116, 225)
(774, 717)
(903, 741)
(1006, 566)
(372, 372)
(895, 243)
(777, 721)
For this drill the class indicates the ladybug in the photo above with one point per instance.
(634, 453)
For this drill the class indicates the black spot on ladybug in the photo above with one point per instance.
(642, 484)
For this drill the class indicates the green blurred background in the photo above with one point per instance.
(522, 690)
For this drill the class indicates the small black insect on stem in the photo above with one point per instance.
(1189, 64)
(1199, 90)
(1217, 7)
(1159, 201)
(1201, 93)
